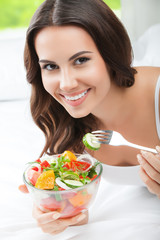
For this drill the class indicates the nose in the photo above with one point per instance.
(67, 81)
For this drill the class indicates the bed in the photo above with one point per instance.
(120, 211)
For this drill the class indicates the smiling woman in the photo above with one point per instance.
(117, 57)
(80, 70)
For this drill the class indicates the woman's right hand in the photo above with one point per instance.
(52, 223)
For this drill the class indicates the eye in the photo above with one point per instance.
(50, 67)
(81, 60)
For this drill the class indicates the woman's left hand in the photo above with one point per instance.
(150, 170)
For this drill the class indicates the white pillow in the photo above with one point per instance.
(147, 48)
(13, 84)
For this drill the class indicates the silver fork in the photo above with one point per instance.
(116, 139)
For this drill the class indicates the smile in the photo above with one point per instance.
(76, 97)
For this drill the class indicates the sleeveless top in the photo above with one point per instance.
(157, 107)
(129, 175)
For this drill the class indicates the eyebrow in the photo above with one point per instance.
(71, 58)
(78, 54)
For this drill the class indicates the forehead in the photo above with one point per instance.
(71, 38)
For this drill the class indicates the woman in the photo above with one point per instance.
(78, 60)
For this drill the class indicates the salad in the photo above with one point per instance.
(63, 172)
(62, 182)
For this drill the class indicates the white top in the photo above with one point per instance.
(157, 107)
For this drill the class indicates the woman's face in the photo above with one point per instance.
(72, 69)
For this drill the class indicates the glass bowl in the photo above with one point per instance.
(68, 202)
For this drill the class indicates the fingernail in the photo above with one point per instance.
(80, 218)
(158, 148)
(56, 215)
(140, 160)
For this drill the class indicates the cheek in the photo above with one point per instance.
(99, 75)
(48, 84)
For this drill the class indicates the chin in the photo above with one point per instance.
(78, 114)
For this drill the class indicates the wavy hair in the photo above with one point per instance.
(60, 129)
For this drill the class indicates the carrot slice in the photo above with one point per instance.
(81, 198)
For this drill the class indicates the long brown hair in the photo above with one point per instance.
(61, 130)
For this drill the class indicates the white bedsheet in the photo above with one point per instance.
(120, 212)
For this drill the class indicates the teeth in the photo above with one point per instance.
(76, 97)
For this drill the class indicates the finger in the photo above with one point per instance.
(152, 186)
(78, 219)
(152, 173)
(57, 231)
(152, 159)
(158, 149)
(54, 227)
(44, 218)
(158, 152)
(36, 211)
(23, 188)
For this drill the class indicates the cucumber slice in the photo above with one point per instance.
(74, 183)
(61, 184)
(89, 140)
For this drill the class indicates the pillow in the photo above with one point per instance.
(13, 84)
(147, 48)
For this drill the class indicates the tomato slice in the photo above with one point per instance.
(52, 204)
(35, 169)
(38, 160)
(44, 164)
(70, 210)
(66, 166)
(80, 165)
(33, 176)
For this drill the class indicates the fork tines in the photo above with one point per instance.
(102, 131)
(103, 136)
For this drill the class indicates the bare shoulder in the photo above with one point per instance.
(148, 72)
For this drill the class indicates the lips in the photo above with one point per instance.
(75, 100)
(76, 97)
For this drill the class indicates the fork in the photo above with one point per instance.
(116, 139)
